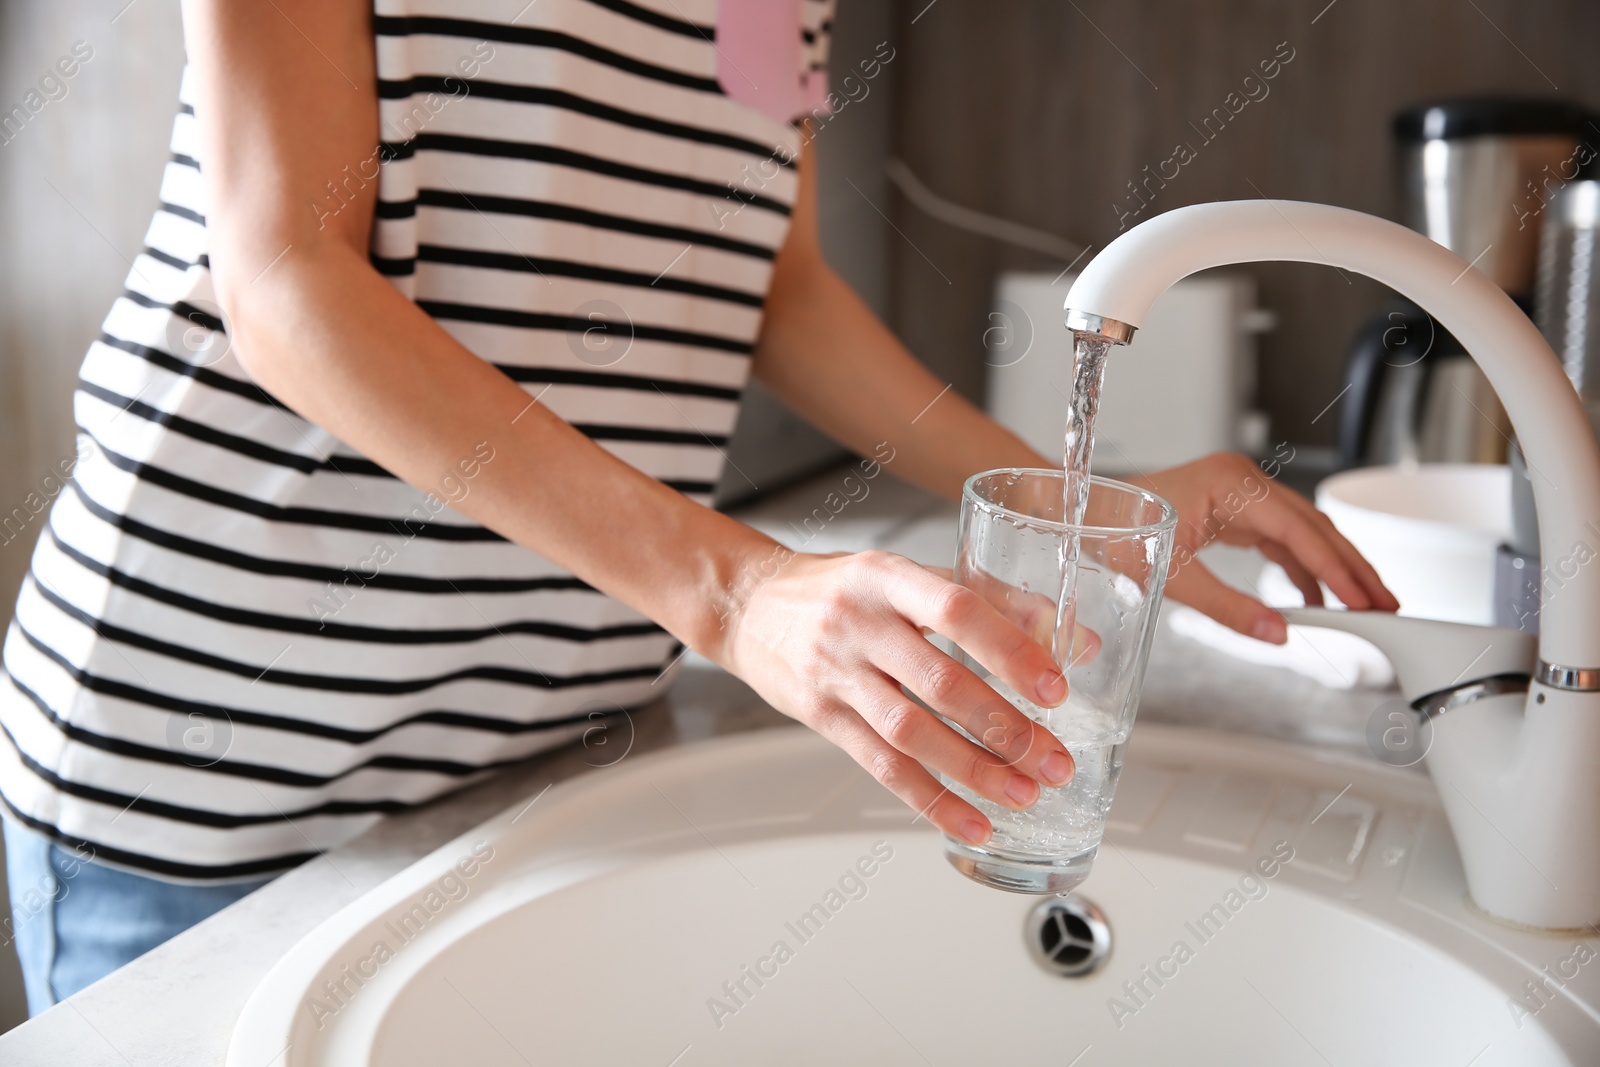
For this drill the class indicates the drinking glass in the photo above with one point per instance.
(1011, 548)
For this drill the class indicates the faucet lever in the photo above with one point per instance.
(1431, 657)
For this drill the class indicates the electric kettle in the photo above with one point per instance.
(1476, 176)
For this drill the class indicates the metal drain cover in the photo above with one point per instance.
(1068, 936)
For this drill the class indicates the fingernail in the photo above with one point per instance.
(1052, 687)
(974, 831)
(1271, 628)
(1056, 768)
(1022, 790)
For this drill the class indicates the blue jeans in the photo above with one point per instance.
(74, 921)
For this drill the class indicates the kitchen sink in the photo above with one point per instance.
(760, 900)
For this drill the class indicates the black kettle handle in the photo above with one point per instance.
(1402, 335)
(1363, 377)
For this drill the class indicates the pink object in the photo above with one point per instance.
(762, 58)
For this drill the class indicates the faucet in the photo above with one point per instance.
(1515, 749)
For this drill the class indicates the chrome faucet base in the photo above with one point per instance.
(1573, 679)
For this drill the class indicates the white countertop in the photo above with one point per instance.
(177, 1004)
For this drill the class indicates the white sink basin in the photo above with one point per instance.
(615, 920)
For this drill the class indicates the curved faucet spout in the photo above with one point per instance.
(1516, 771)
(1127, 277)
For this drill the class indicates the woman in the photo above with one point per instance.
(396, 451)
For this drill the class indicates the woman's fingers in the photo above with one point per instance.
(1197, 587)
(1255, 511)
(1085, 645)
(903, 776)
(1033, 613)
(969, 620)
(921, 735)
(1303, 579)
(1276, 519)
(1363, 571)
(962, 697)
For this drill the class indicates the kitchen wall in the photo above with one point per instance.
(1043, 111)
(77, 185)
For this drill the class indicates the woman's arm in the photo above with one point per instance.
(825, 353)
(830, 358)
(287, 99)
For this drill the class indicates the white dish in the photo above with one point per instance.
(1431, 531)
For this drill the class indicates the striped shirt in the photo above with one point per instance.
(241, 642)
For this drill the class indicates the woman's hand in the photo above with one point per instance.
(829, 640)
(1228, 498)
(1032, 613)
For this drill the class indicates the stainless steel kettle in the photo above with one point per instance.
(1476, 175)
(1567, 311)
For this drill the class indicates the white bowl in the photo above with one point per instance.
(1431, 531)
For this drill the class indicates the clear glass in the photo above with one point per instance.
(1010, 551)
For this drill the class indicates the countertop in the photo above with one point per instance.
(177, 1004)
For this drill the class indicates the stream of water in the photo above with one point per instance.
(1089, 374)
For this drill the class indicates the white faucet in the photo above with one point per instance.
(1515, 749)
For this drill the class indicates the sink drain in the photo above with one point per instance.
(1068, 936)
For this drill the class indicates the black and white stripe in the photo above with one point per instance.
(240, 642)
